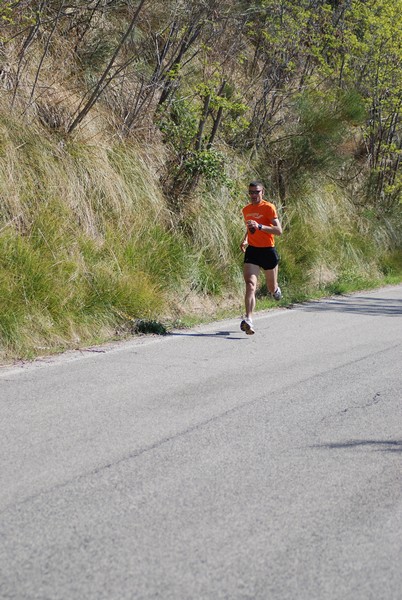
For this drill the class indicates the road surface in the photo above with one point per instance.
(208, 464)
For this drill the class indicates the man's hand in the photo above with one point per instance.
(244, 245)
(252, 226)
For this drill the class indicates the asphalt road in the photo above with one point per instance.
(208, 464)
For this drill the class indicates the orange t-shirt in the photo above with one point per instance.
(264, 213)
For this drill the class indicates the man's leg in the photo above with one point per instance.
(250, 273)
(271, 278)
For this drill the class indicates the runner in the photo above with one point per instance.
(259, 250)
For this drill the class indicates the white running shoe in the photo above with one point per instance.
(277, 295)
(247, 326)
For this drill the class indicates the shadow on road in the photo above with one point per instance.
(363, 305)
(218, 334)
(377, 445)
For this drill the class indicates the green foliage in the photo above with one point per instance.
(190, 128)
(63, 290)
(12, 14)
(391, 266)
(6, 12)
(163, 255)
(209, 163)
(179, 124)
(314, 140)
(373, 61)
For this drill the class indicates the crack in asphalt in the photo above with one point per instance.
(374, 400)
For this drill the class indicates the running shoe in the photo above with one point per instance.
(277, 295)
(247, 326)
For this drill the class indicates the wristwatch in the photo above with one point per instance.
(259, 226)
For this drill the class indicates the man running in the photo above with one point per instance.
(258, 245)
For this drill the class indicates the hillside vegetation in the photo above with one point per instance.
(129, 130)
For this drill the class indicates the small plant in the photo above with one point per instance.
(145, 326)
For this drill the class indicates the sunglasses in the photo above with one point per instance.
(254, 192)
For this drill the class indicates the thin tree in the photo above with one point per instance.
(106, 77)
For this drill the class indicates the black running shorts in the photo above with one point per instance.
(266, 258)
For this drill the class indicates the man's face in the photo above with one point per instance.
(255, 194)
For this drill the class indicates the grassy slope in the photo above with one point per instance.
(88, 246)
(89, 249)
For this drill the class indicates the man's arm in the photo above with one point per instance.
(275, 228)
(244, 243)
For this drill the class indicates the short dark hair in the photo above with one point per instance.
(255, 184)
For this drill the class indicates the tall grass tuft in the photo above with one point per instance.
(84, 242)
(324, 247)
(214, 224)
